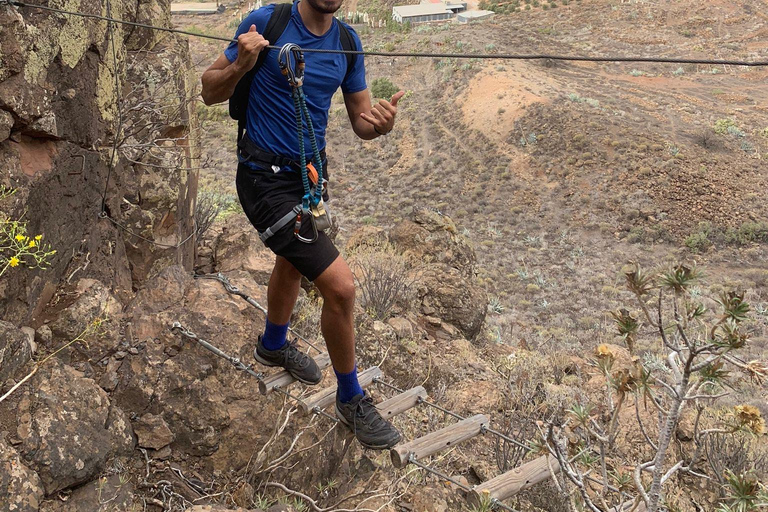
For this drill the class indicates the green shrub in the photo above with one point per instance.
(699, 241)
(383, 88)
(722, 125)
(748, 232)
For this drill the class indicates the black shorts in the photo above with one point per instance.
(266, 197)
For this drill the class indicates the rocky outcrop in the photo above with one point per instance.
(153, 432)
(15, 350)
(58, 118)
(208, 408)
(238, 247)
(69, 429)
(447, 288)
(20, 487)
(111, 493)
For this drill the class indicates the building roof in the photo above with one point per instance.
(421, 9)
(475, 14)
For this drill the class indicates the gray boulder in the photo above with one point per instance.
(68, 428)
(20, 487)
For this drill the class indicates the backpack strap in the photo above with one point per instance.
(348, 44)
(238, 103)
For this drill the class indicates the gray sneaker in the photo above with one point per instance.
(302, 367)
(362, 418)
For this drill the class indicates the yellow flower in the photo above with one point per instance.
(39, 237)
(750, 418)
(32, 243)
(14, 261)
(604, 351)
(20, 237)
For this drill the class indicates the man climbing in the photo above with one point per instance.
(269, 186)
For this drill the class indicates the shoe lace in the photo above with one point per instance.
(366, 411)
(294, 355)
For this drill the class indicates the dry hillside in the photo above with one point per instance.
(513, 204)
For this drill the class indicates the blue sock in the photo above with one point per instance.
(274, 336)
(349, 387)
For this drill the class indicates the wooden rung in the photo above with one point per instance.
(514, 481)
(327, 396)
(284, 378)
(438, 440)
(401, 402)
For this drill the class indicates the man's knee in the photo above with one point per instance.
(341, 294)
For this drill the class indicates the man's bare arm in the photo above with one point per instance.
(220, 79)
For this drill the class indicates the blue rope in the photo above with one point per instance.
(295, 75)
(306, 200)
(315, 149)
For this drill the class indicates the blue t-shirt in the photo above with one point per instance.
(271, 121)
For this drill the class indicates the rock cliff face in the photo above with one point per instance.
(65, 84)
(84, 108)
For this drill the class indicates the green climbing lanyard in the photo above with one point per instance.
(312, 202)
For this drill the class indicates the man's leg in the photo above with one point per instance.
(283, 290)
(337, 287)
(282, 293)
(271, 348)
(353, 408)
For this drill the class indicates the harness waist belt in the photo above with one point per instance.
(251, 152)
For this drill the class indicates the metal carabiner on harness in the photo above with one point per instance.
(294, 73)
(297, 227)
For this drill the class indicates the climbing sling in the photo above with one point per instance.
(312, 207)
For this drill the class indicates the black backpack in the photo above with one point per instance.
(238, 103)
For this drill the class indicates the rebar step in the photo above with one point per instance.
(402, 402)
(283, 379)
(438, 440)
(327, 396)
(514, 481)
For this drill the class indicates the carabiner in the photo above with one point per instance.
(295, 74)
(297, 228)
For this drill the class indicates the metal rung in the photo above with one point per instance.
(284, 378)
(327, 396)
(438, 440)
(402, 402)
(514, 481)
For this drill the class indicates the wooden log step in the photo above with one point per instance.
(514, 481)
(438, 440)
(284, 378)
(401, 402)
(327, 396)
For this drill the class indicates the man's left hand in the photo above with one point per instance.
(382, 115)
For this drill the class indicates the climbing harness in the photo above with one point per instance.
(312, 209)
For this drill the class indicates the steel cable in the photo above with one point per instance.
(370, 53)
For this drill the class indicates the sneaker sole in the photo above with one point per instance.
(263, 361)
(385, 446)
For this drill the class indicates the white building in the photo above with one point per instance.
(455, 6)
(421, 13)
